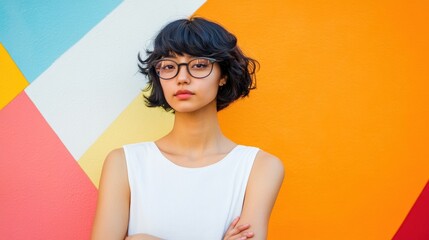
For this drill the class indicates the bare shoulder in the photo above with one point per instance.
(111, 218)
(265, 180)
(267, 164)
(116, 155)
(115, 158)
(115, 166)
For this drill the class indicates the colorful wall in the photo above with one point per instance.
(341, 98)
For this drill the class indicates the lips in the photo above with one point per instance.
(180, 92)
(183, 94)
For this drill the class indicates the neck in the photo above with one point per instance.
(196, 130)
(196, 133)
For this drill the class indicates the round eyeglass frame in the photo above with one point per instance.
(212, 61)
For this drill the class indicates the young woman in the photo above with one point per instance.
(193, 183)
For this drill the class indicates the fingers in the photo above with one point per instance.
(238, 232)
(239, 229)
(243, 227)
(234, 222)
(243, 236)
(232, 226)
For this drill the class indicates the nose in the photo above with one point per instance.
(183, 76)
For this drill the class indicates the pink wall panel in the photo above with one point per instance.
(44, 194)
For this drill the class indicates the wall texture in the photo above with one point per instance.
(341, 98)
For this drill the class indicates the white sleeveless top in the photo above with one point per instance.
(174, 202)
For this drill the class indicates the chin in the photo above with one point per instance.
(193, 108)
(189, 107)
(185, 110)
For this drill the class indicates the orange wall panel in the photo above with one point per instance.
(341, 96)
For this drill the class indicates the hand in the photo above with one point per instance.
(238, 232)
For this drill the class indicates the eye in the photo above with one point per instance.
(165, 66)
(200, 63)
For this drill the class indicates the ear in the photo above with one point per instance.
(222, 81)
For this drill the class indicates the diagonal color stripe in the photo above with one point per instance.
(135, 124)
(87, 87)
(416, 225)
(12, 82)
(44, 194)
(38, 32)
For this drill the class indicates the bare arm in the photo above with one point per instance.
(111, 218)
(113, 206)
(262, 189)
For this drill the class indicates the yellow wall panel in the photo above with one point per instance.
(135, 124)
(12, 81)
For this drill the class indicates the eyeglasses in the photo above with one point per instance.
(200, 67)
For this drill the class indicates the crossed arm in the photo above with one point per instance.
(111, 219)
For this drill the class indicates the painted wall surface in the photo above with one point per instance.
(341, 98)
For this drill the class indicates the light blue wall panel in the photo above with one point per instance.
(35, 32)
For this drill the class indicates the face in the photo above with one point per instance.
(187, 92)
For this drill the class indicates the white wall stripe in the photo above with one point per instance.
(84, 90)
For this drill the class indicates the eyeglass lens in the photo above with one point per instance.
(197, 68)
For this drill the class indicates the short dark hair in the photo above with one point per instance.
(201, 38)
